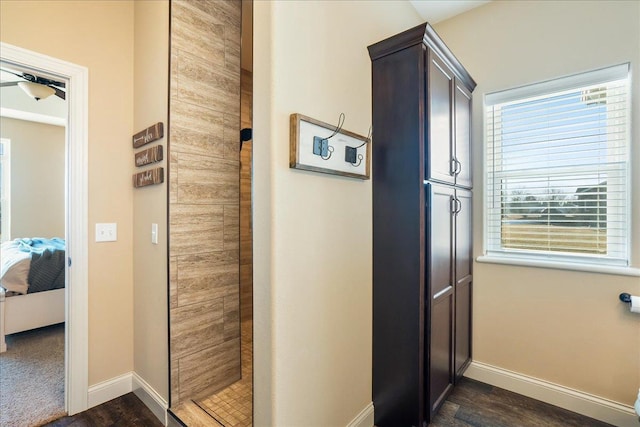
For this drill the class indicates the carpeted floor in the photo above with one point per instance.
(32, 377)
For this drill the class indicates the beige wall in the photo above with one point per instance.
(151, 80)
(99, 36)
(561, 326)
(37, 178)
(312, 232)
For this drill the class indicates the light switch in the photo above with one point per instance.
(154, 234)
(106, 232)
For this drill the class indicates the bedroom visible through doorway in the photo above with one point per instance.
(77, 170)
(33, 251)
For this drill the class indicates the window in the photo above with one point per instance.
(5, 190)
(557, 177)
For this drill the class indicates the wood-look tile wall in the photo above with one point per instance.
(204, 197)
(246, 227)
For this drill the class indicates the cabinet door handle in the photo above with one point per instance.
(455, 205)
(458, 206)
(442, 292)
(458, 167)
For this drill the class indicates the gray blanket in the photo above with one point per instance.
(47, 263)
(47, 270)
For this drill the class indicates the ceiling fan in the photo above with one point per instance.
(36, 87)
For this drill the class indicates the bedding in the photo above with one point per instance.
(32, 265)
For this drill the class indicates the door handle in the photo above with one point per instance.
(455, 205)
(458, 166)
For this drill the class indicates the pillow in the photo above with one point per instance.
(14, 268)
(15, 277)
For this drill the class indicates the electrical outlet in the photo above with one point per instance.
(350, 154)
(320, 146)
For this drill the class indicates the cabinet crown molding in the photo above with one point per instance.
(422, 34)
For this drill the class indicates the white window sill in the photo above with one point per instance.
(590, 268)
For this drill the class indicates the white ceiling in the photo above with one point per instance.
(434, 11)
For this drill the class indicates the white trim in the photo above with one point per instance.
(364, 418)
(127, 383)
(611, 172)
(10, 113)
(150, 398)
(574, 400)
(5, 193)
(603, 75)
(76, 349)
(109, 389)
(591, 268)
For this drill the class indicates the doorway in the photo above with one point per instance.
(75, 294)
(33, 215)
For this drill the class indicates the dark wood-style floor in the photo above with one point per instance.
(476, 404)
(471, 404)
(124, 411)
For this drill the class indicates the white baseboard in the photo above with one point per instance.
(364, 418)
(583, 403)
(150, 397)
(110, 389)
(126, 383)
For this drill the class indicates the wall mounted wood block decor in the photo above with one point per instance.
(150, 134)
(148, 156)
(322, 147)
(150, 177)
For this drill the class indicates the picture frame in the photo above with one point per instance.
(322, 147)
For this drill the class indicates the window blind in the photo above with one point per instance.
(558, 169)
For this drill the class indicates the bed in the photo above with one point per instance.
(32, 281)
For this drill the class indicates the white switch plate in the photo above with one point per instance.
(106, 232)
(154, 234)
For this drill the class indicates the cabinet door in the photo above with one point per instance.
(439, 150)
(439, 360)
(441, 378)
(463, 281)
(462, 119)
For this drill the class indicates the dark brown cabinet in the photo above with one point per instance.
(440, 304)
(463, 278)
(449, 107)
(462, 154)
(422, 225)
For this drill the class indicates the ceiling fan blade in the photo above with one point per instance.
(49, 82)
(12, 72)
(59, 93)
(35, 79)
(5, 84)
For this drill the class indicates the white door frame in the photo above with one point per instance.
(76, 295)
(5, 201)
